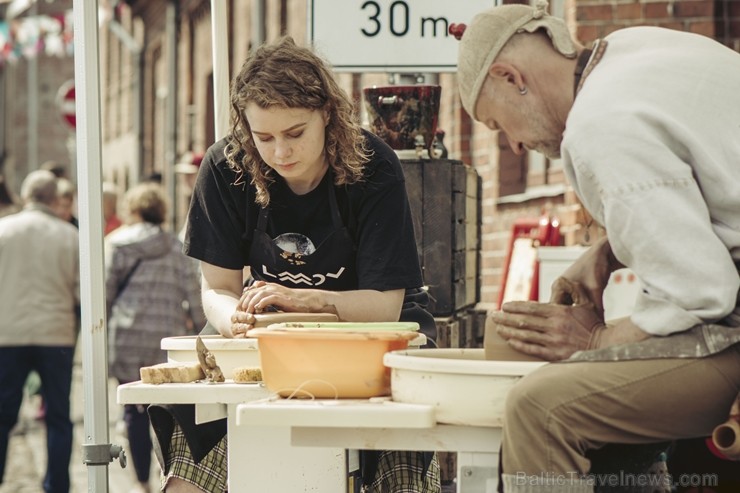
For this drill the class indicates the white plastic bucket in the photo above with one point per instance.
(464, 387)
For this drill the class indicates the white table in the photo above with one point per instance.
(211, 400)
(300, 445)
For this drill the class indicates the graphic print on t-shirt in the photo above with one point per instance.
(301, 278)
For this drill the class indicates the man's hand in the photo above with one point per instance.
(549, 331)
(590, 272)
(564, 291)
(619, 331)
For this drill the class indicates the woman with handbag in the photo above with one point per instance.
(152, 292)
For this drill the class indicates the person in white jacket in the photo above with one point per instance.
(647, 123)
(39, 292)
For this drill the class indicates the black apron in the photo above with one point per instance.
(331, 267)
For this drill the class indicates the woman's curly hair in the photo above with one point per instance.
(288, 76)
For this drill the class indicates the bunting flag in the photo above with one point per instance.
(5, 43)
(29, 37)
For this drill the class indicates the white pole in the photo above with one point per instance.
(220, 67)
(96, 451)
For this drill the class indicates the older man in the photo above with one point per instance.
(39, 290)
(647, 124)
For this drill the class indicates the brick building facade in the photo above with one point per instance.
(32, 129)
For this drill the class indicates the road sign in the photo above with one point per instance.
(389, 35)
(66, 103)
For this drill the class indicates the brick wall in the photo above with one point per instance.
(597, 18)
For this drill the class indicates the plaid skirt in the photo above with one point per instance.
(401, 471)
(209, 474)
(398, 471)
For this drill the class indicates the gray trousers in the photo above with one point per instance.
(556, 414)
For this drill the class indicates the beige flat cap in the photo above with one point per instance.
(488, 33)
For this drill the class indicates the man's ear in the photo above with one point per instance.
(506, 72)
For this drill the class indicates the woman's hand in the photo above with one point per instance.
(241, 322)
(263, 296)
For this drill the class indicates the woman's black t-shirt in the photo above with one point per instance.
(223, 216)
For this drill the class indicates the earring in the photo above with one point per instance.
(523, 90)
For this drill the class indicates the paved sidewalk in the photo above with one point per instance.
(26, 466)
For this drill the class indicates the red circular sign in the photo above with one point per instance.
(66, 101)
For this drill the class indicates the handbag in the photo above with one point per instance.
(124, 282)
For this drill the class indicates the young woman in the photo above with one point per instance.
(317, 209)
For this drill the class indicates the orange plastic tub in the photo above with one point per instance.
(329, 360)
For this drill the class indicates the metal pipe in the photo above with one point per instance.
(92, 284)
(220, 47)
